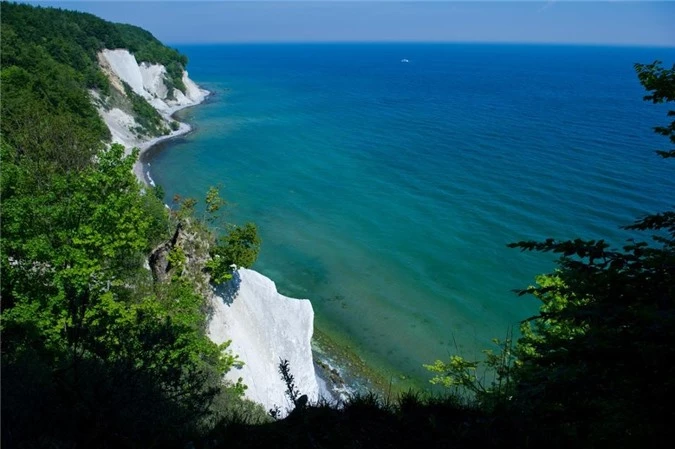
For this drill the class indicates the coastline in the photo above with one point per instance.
(146, 81)
(333, 379)
(241, 318)
(343, 371)
(340, 372)
(183, 129)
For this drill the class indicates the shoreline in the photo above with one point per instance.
(340, 362)
(334, 368)
(341, 372)
(183, 130)
(344, 371)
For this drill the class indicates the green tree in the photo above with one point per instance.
(598, 364)
(240, 248)
(83, 327)
(487, 382)
(94, 351)
(74, 38)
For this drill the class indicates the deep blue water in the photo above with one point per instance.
(386, 192)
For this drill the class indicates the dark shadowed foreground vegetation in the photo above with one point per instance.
(99, 351)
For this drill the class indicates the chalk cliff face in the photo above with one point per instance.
(265, 327)
(146, 80)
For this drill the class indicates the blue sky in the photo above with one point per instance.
(180, 22)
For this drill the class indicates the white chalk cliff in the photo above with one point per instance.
(146, 80)
(263, 325)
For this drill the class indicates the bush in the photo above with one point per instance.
(240, 247)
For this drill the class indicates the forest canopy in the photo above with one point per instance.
(97, 349)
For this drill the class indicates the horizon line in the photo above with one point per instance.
(438, 42)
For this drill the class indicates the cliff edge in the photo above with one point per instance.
(265, 327)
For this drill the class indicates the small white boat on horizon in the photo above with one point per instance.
(404, 60)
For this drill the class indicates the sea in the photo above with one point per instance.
(386, 180)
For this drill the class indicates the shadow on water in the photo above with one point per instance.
(152, 152)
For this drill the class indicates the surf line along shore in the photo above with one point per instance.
(263, 325)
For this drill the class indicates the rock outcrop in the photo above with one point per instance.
(265, 327)
(147, 80)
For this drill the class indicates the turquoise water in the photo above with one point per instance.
(386, 192)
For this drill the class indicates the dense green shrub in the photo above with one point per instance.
(240, 247)
(49, 61)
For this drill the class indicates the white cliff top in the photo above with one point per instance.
(125, 66)
(153, 79)
(265, 327)
(147, 80)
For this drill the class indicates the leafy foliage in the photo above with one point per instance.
(42, 102)
(49, 65)
(488, 382)
(660, 83)
(82, 319)
(94, 351)
(238, 248)
(412, 420)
